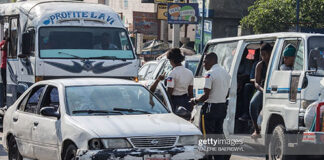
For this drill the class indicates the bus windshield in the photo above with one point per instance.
(316, 54)
(84, 42)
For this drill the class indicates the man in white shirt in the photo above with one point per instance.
(179, 81)
(213, 112)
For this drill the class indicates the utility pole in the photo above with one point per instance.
(297, 16)
(186, 25)
(165, 33)
(176, 32)
(202, 27)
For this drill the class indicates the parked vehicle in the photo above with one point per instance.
(57, 39)
(66, 118)
(146, 71)
(287, 94)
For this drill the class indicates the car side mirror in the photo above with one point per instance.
(49, 112)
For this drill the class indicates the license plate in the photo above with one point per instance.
(157, 157)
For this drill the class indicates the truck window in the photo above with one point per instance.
(225, 52)
(299, 61)
(292, 62)
(13, 24)
(84, 42)
(316, 54)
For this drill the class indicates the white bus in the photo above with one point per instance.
(60, 39)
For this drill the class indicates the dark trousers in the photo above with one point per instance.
(182, 100)
(4, 83)
(213, 115)
(3, 75)
(248, 93)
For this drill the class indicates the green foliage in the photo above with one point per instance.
(279, 15)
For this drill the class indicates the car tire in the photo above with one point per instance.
(278, 145)
(13, 151)
(70, 152)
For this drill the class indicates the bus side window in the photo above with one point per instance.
(13, 32)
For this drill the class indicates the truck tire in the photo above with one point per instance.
(278, 145)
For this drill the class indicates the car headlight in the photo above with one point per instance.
(116, 143)
(187, 140)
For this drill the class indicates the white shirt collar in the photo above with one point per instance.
(178, 67)
(215, 66)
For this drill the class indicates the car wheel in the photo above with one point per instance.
(278, 145)
(13, 152)
(70, 152)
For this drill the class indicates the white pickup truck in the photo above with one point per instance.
(287, 94)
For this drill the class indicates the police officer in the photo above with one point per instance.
(179, 81)
(213, 112)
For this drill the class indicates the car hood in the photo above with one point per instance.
(136, 125)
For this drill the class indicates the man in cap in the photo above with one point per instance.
(289, 58)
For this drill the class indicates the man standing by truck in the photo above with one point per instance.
(213, 112)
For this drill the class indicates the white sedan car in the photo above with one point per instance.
(95, 119)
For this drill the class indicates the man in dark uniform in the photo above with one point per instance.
(213, 112)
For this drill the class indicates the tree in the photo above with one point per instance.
(279, 15)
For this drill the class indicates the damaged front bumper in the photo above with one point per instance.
(186, 152)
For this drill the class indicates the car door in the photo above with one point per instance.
(46, 130)
(283, 88)
(226, 52)
(23, 121)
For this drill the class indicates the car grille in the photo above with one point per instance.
(152, 142)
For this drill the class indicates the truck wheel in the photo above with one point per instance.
(278, 144)
(13, 152)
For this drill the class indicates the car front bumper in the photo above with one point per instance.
(186, 152)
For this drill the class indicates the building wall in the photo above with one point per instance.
(127, 7)
(227, 15)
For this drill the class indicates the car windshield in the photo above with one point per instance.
(316, 54)
(84, 42)
(112, 99)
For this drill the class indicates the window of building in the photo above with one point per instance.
(125, 4)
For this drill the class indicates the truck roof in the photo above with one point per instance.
(265, 36)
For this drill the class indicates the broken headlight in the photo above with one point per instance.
(114, 143)
(187, 140)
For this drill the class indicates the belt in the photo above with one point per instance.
(215, 103)
(185, 95)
